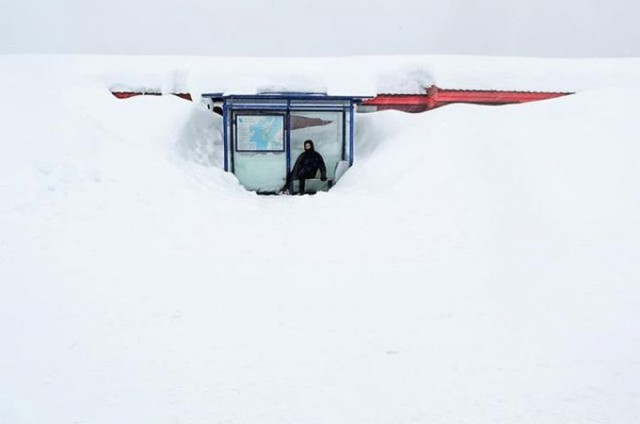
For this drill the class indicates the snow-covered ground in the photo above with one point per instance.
(476, 265)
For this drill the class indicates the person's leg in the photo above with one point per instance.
(301, 185)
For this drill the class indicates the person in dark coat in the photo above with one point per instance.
(307, 166)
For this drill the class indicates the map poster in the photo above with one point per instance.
(260, 133)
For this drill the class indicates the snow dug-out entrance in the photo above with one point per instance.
(279, 143)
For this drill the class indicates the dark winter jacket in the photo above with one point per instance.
(308, 164)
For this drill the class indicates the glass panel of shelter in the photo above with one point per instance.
(325, 129)
(259, 150)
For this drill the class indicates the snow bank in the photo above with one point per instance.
(477, 264)
(340, 76)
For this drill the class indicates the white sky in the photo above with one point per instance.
(553, 28)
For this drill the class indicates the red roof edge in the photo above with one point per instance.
(436, 97)
(129, 94)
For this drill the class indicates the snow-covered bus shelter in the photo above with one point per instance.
(265, 133)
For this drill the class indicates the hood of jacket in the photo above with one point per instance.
(311, 143)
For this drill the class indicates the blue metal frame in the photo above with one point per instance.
(225, 135)
(351, 133)
(287, 141)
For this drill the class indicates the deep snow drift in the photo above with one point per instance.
(477, 264)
